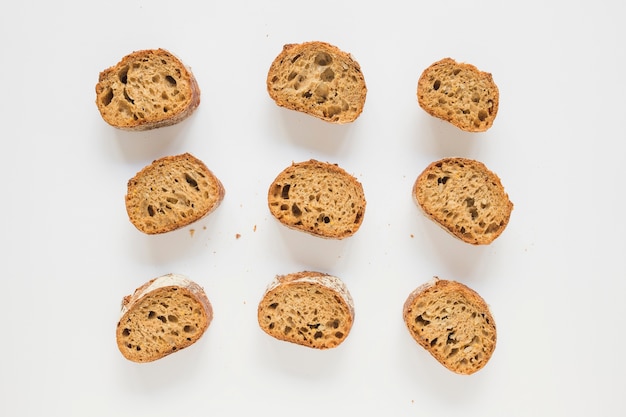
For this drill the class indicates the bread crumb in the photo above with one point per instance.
(237, 236)
(191, 232)
(254, 228)
(412, 236)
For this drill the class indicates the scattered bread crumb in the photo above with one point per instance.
(254, 228)
(237, 236)
(191, 232)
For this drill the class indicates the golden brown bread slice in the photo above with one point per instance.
(459, 93)
(172, 192)
(465, 198)
(453, 323)
(147, 89)
(308, 308)
(318, 198)
(318, 79)
(161, 317)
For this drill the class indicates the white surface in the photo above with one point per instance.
(554, 278)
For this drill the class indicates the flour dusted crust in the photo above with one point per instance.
(147, 89)
(318, 79)
(307, 308)
(163, 316)
(318, 198)
(453, 323)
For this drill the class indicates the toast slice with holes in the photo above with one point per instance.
(465, 198)
(318, 198)
(163, 316)
(172, 192)
(318, 79)
(309, 308)
(453, 323)
(146, 90)
(459, 93)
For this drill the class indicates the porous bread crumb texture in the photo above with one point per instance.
(172, 192)
(318, 198)
(465, 198)
(460, 94)
(454, 324)
(146, 90)
(307, 312)
(162, 322)
(318, 79)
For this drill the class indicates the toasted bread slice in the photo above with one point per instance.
(465, 198)
(453, 323)
(146, 90)
(163, 316)
(459, 93)
(307, 308)
(318, 79)
(172, 192)
(318, 198)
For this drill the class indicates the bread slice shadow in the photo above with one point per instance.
(441, 139)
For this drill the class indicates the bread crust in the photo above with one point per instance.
(308, 308)
(172, 192)
(147, 89)
(465, 198)
(463, 338)
(318, 79)
(318, 198)
(459, 93)
(151, 348)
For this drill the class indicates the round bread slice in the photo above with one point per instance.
(307, 308)
(318, 198)
(465, 198)
(453, 323)
(146, 90)
(172, 192)
(163, 316)
(459, 93)
(318, 79)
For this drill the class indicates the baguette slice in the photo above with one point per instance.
(465, 198)
(459, 93)
(172, 192)
(146, 90)
(161, 317)
(307, 308)
(318, 79)
(318, 198)
(453, 323)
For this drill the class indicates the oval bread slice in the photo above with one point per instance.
(453, 323)
(318, 198)
(172, 192)
(307, 308)
(146, 90)
(465, 198)
(163, 316)
(459, 93)
(318, 79)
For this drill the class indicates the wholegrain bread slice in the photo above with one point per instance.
(318, 198)
(465, 198)
(172, 192)
(146, 90)
(163, 316)
(307, 308)
(318, 79)
(459, 93)
(453, 323)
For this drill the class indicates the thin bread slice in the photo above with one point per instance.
(146, 90)
(465, 198)
(318, 79)
(459, 93)
(453, 323)
(163, 316)
(307, 308)
(318, 198)
(172, 192)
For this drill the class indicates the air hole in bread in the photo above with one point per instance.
(482, 115)
(162, 318)
(323, 59)
(327, 75)
(127, 97)
(123, 75)
(151, 211)
(107, 98)
(295, 210)
(284, 193)
(172, 319)
(189, 329)
(126, 332)
(290, 77)
(191, 181)
(171, 80)
(436, 85)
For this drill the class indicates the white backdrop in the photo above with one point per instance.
(554, 279)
